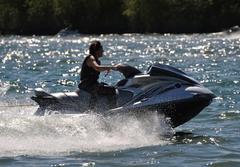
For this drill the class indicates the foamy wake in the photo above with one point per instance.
(26, 134)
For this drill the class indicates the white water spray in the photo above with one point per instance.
(22, 133)
(3, 88)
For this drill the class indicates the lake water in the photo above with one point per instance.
(53, 63)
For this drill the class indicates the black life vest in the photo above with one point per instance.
(89, 75)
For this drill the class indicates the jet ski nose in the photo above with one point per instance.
(212, 95)
(205, 97)
(202, 93)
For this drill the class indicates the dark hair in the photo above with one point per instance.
(94, 46)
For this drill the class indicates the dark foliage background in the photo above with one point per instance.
(45, 17)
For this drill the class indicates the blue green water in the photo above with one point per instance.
(53, 63)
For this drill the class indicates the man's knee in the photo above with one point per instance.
(106, 90)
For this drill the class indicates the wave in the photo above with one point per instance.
(67, 32)
(231, 33)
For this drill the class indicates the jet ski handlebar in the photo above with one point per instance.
(128, 71)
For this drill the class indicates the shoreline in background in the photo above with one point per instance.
(66, 32)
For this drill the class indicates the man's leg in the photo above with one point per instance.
(92, 89)
(109, 92)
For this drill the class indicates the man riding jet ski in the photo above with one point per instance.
(90, 72)
(162, 89)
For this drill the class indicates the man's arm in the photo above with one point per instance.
(91, 62)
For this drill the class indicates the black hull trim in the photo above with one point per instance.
(180, 112)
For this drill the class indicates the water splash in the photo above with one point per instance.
(3, 88)
(26, 134)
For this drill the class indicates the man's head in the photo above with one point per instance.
(96, 49)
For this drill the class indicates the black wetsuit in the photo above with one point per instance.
(89, 80)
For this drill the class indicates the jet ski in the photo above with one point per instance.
(162, 89)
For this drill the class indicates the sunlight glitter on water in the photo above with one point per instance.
(210, 139)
